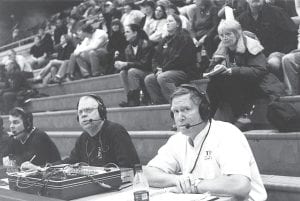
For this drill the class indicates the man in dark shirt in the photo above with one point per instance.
(4, 141)
(102, 141)
(30, 146)
(275, 30)
(60, 30)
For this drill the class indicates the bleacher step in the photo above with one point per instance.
(79, 86)
(275, 152)
(282, 188)
(134, 118)
(110, 97)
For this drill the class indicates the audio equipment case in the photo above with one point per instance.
(69, 187)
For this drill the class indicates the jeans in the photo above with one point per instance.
(133, 78)
(161, 86)
(291, 69)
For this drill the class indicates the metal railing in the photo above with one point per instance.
(18, 43)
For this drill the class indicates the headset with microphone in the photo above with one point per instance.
(26, 117)
(204, 106)
(101, 108)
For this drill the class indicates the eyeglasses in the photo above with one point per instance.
(86, 110)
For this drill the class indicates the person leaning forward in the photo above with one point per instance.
(205, 155)
(30, 146)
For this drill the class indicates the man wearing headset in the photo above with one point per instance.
(205, 155)
(30, 146)
(102, 141)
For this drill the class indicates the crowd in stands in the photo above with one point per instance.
(157, 45)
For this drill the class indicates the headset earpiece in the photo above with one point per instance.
(101, 107)
(27, 119)
(204, 106)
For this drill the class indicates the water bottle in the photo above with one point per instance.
(140, 185)
(12, 165)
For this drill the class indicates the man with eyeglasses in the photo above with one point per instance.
(102, 141)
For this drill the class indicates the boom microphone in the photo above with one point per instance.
(15, 134)
(91, 120)
(188, 126)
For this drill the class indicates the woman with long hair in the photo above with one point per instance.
(137, 64)
(174, 62)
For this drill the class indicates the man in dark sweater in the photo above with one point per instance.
(4, 141)
(30, 147)
(102, 141)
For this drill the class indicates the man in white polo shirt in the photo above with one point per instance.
(205, 155)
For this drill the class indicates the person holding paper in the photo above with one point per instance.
(205, 155)
(240, 67)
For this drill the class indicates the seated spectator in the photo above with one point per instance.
(60, 29)
(14, 59)
(17, 85)
(291, 70)
(204, 21)
(131, 16)
(245, 77)
(73, 26)
(3, 86)
(4, 141)
(137, 64)
(29, 143)
(102, 141)
(173, 63)
(161, 25)
(38, 58)
(110, 13)
(275, 30)
(205, 155)
(238, 6)
(172, 9)
(91, 54)
(116, 43)
(148, 8)
(64, 50)
(291, 65)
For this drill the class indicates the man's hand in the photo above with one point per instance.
(185, 184)
(120, 64)
(27, 165)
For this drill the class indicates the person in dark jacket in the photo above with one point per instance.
(102, 141)
(4, 141)
(174, 62)
(15, 87)
(42, 49)
(275, 30)
(60, 30)
(116, 43)
(30, 146)
(137, 64)
(204, 21)
(110, 13)
(64, 51)
(243, 75)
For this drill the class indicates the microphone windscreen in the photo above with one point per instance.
(187, 126)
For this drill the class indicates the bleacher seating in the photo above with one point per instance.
(277, 154)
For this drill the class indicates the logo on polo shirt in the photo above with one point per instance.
(208, 155)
